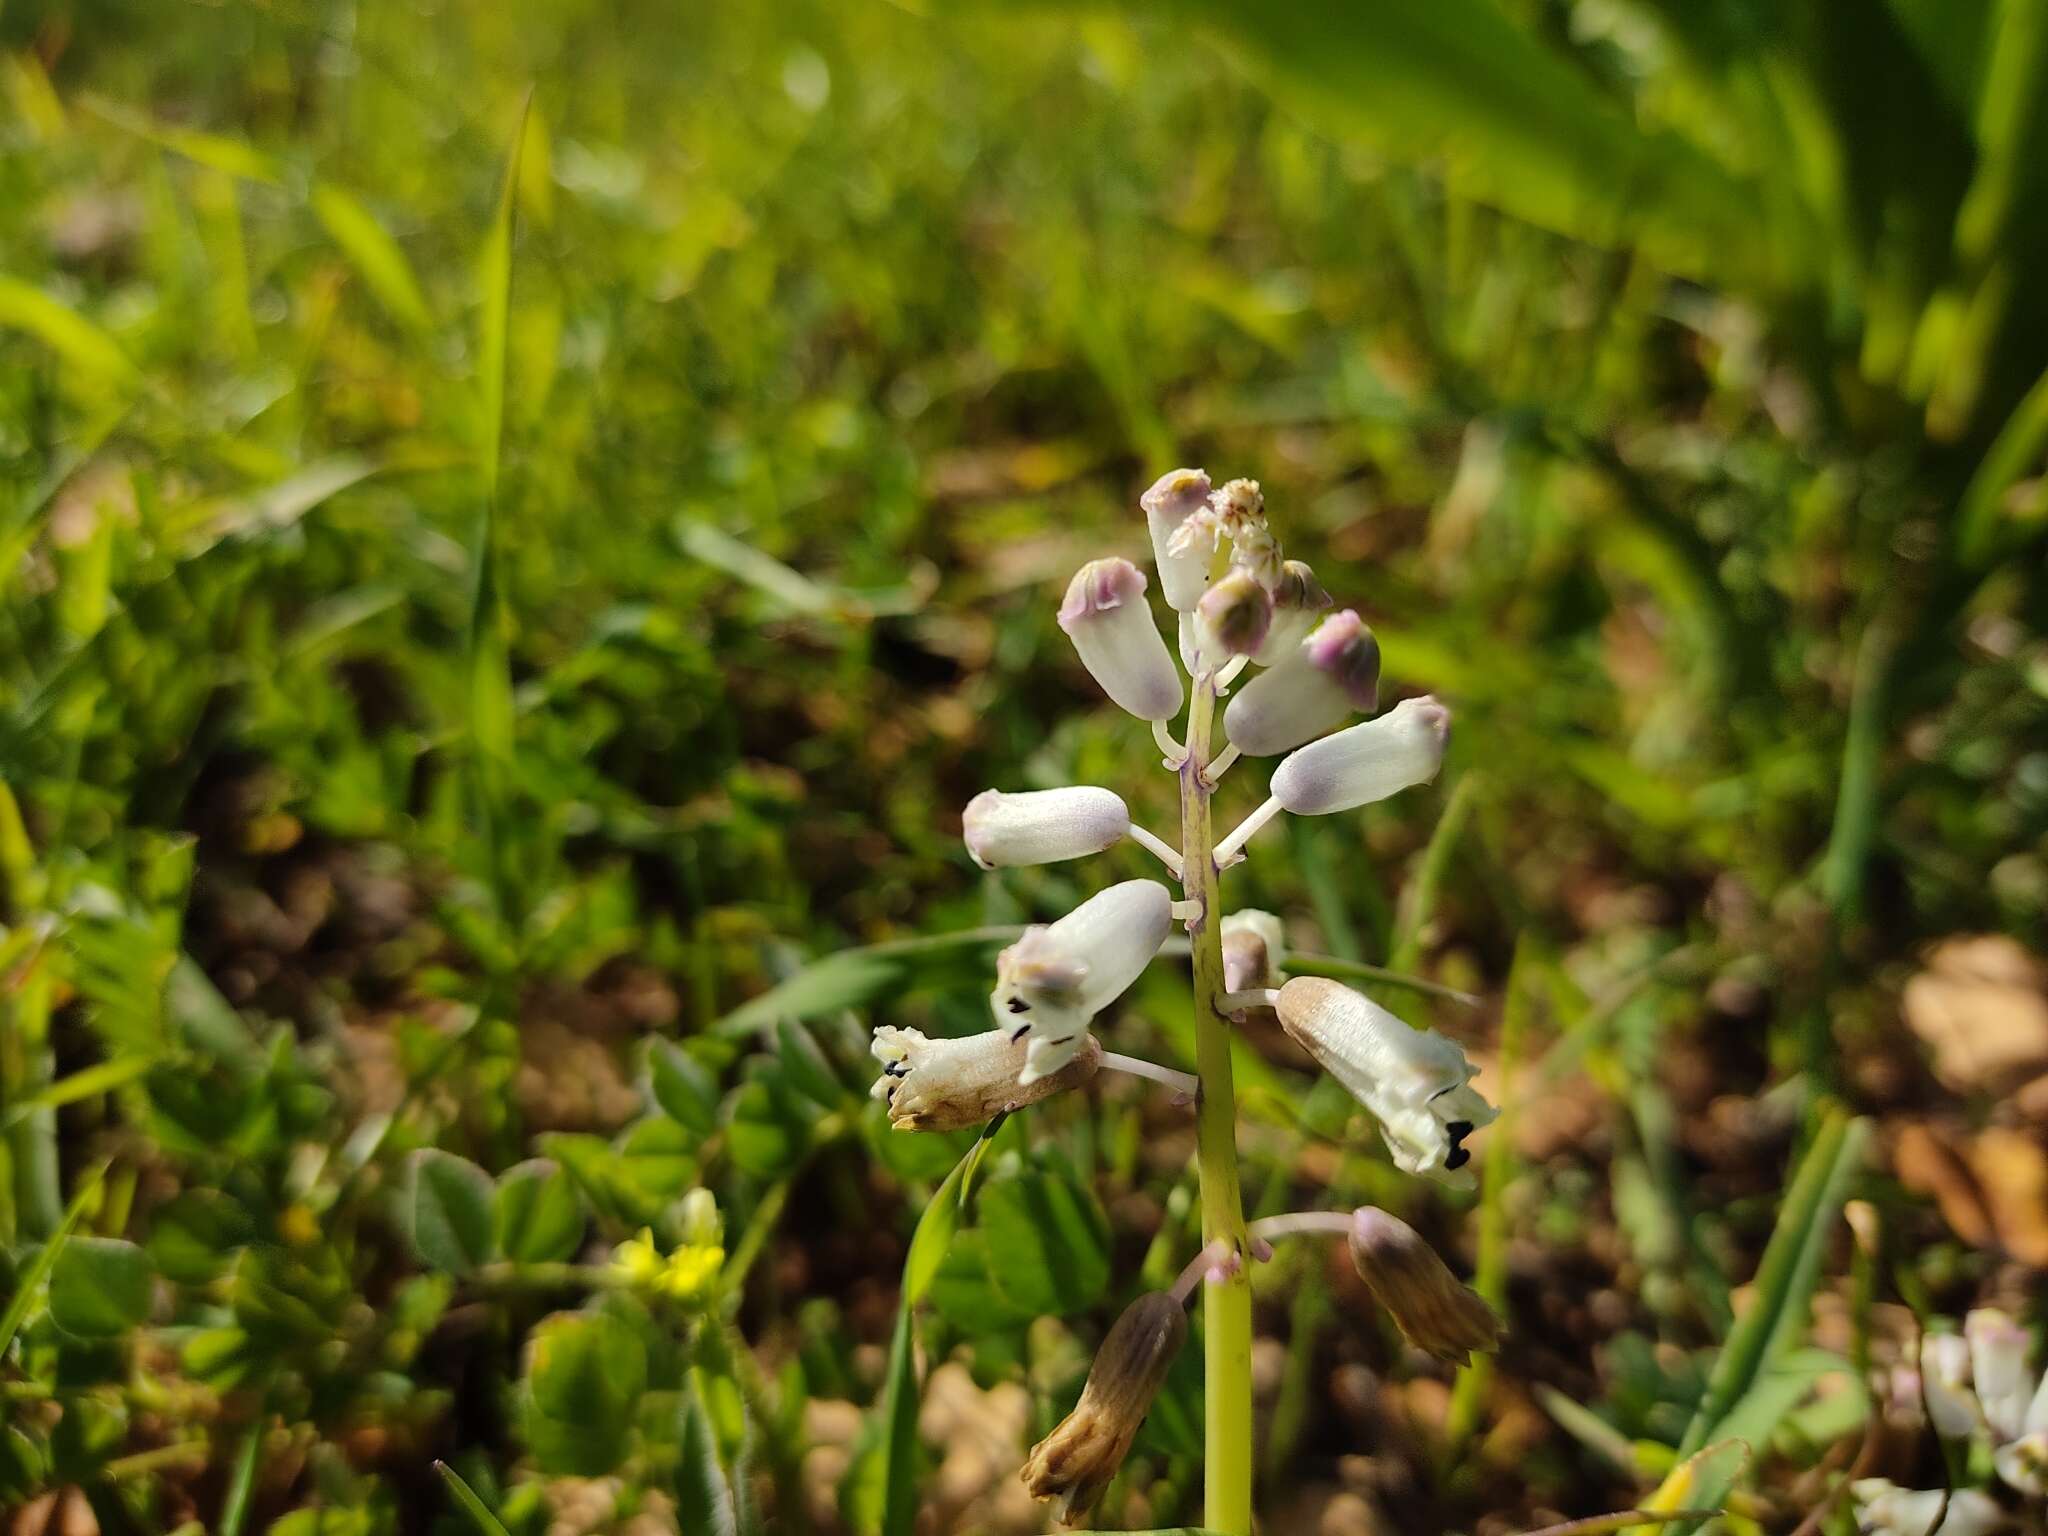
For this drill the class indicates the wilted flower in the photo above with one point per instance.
(1074, 1464)
(1331, 674)
(1184, 570)
(1433, 1310)
(1241, 514)
(1415, 1082)
(1254, 947)
(1885, 1509)
(1231, 619)
(1058, 976)
(1367, 762)
(1042, 826)
(1299, 602)
(949, 1085)
(1107, 618)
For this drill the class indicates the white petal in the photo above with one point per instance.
(1040, 826)
(1057, 977)
(1107, 618)
(2024, 1464)
(1945, 1379)
(2036, 1421)
(1885, 1509)
(1998, 1367)
(1368, 762)
(1172, 500)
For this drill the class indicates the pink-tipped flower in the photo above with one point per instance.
(1299, 603)
(1416, 1083)
(1254, 948)
(1433, 1310)
(1107, 618)
(949, 1085)
(1183, 568)
(1367, 762)
(1058, 976)
(1232, 618)
(1945, 1382)
(1333, 673)
(1998, 1370)
(1042, 826)
(1074, 1464)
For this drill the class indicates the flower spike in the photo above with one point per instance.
(1416, 1083)
(1107, 618)
(1042, 826)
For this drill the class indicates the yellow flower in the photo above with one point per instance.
(690, 1271)
(639, 1260)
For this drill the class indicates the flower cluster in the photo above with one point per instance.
(688, 1273)
(1978, 1388)
(1238, 604)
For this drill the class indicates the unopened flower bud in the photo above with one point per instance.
(949, 1085)
(1416, 1083)
(1945, 1381)
(1074, 1464)
(1299, 603)
(1183, 571)
(1042, 826)
(1885, 1509)
(1253, 949)
(1107, 618)
(1366, 762)
(1998, 1369)
(702, 1225)
(1433, 1310)
(1058, 976)
(1232, 618)
(1332, 673)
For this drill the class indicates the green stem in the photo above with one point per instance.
(1226, 1307)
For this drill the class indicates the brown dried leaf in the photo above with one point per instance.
(1979, 1006)
(2012, 1170)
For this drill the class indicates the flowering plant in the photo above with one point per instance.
(1237, 605)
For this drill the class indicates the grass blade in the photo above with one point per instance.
(375, 255)
(473, 1506)
(1419, 900)
(39, 1271)
(24, 307)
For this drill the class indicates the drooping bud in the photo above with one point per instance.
(1998, 1369)
(1042, 826)
(1232, 618)
(1254, 947)
(1367, 762)
(1433, 1310)
(1883, 1508)
(1058, 976)
(1074, 1464)
(949, 1085)
(1415, 1082)
(1107, 618)
(1945, 1382)
(1299, 603)
(1332, 673)
(1183, 572)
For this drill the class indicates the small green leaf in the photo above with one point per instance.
(99, 1287)
(685, 1088)
(32, 1278)
(451, 1211)
(1048, 1243)
(323, 1522)
(196, 1234)
(538, 1218)
(771, 1121)
(585, 1374)
(849, 979)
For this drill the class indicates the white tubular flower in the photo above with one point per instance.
(1998, 1369)
(1332, 673)
(1367, 762)
(1945, 1379)
(1883, 1508)
(2023, 1464)
(1299, 603)
(1232, 619)
(1107, 618)
(1058, 976)
(1183, 564)
(1042, 826)
(949, 1085)
(1416, 1083)
(1254, 948)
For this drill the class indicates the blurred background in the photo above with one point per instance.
(522, 525)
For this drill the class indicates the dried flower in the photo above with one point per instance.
(1231, 619)
(1332, 673)
(949, 1085)
(1253, 949)
(1107, 618)
(1299, 602)
(1058, 976)
(1184, 570)
(1367, 762)
(1240, 509)
(1410, 1279)
(1415, 1082)
(1042, 826)
(1074, 1464)
(1885, 1509)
